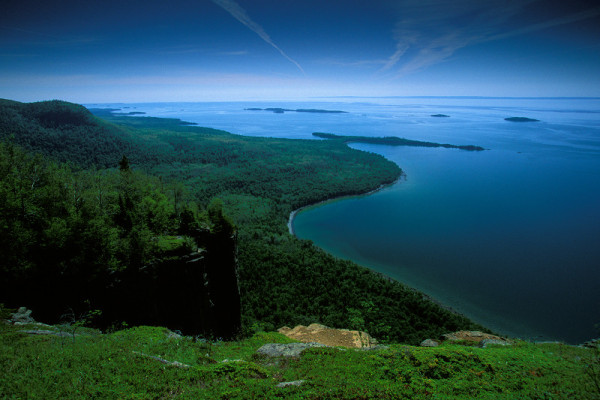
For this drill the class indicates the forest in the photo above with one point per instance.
(92, 194)
(394, 141)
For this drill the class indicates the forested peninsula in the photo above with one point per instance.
(393, 141)
(179, 172)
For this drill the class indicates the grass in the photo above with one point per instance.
(119, 365)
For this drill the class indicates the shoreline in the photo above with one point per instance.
(473, 316)
(290, 223)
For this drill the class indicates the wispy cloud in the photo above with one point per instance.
(580, 16)
(240, 14)
(429, 32)
(233, 53)
(356, 63)
(46, 40)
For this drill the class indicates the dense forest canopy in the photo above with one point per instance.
(177, 172)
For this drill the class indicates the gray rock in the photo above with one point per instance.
(292, 383)
(372, 348)
(46, 332)
(22, 317)
(287, 349)
(429, 343)
(173, 335)
(486, 342)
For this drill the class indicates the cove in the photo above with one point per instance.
(507, 238)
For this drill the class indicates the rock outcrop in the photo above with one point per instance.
(22, 317)
(329, 336)
(429, 343)
(468, 337)
(286, 349)
(472, 336)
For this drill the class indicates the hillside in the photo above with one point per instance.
(149, 363)
(259, 181)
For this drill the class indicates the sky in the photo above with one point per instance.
(227, 50)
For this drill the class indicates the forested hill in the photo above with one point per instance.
(65, 132)
(259, 181)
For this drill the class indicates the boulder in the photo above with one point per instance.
(286, 349)
(429, 343)
(22, 317)
(329, 336)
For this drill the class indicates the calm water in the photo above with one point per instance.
(509, 236)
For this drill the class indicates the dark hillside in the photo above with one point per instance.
(65, 132)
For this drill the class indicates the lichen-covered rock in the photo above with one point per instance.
(22, 317)
(429, 343)
(292, 383)
(329, 336)
(486, 342)
(287, 349)
(475, 337)
(47, 332)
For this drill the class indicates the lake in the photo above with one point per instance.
(509, 236)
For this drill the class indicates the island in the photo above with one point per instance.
(132, 113)
(521, 119)
(393, 141)
(277, 110)
(440, 115)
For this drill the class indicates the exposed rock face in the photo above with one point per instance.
(287, 349)
(329, 336)
(475, 337)
(193, 293)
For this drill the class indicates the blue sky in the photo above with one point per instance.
(212, 50)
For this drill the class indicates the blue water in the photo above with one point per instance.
(509, 236)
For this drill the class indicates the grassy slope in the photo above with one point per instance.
(111, 367)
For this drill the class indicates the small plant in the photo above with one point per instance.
(72, 322)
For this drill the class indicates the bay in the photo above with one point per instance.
(508, 236)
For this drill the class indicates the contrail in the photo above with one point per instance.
(239, 13)
(580, 16)
(417, 48)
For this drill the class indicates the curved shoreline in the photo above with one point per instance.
(293, 214)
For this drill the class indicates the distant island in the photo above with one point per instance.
(521, 119)
(132, 113)
(440, 115)
(393, 141)
(305, 110)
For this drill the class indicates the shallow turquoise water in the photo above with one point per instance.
(509, 236)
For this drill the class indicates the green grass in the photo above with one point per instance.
(118, 366)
